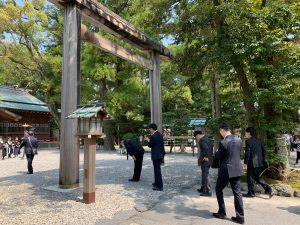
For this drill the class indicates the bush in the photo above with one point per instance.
(132, 136)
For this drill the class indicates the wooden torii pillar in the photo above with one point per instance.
(155, 92)
(70, 97)
(74, 31)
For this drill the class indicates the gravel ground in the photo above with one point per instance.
(25, 201)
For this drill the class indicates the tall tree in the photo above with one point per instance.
(24, 40)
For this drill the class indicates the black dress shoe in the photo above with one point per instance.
(270, 193)
(157, 189)
(133, 180)
(237, 220)
(206, 194)
(200, 190)
(249, 195)
(29, 173)
(220, 215)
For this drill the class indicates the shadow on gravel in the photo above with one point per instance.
(177, 175)
(182, 212)
(291, 209)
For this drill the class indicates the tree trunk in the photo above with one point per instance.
(246, 89)
(55, 115)
(215, 102)
(247, 92)
(103, 90)
(109, 140)
(53, 111)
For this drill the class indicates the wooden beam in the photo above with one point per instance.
(109, 21)
(111, 47)
(9, 115)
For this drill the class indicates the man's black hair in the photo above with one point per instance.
(197, 132)
(153, 126)
(250, 130)
(224, 126)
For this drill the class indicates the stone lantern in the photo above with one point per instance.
(90, 126)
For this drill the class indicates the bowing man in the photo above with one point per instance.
(136, 151)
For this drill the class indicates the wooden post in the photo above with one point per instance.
(155, 92)
(70, 98)
(89, 179)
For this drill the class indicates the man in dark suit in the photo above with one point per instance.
(255, 160)
(229, 155)
(156, 143)
(136, 151)
(204, 160)
(30, 143)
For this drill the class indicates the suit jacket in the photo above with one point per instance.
(229, 155)
(255, 153)
(156, 144)
(206, 150)
(133, 148)
(26, 143)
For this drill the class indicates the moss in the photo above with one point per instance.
(294, 184)
(294, 179)
(244, 177)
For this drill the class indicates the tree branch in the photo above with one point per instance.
(263, 4)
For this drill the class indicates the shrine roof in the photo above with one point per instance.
(87, 111)
(18, 98)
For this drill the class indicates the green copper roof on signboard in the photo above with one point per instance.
(197, 122)
(87, 111)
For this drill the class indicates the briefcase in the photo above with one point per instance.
(215, 162)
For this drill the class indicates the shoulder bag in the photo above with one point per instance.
(34, 150)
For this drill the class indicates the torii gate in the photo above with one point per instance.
(74, 31)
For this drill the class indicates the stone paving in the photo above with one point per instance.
(189, 208)
(24, 199)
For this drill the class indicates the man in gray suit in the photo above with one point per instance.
(255, 160)
(30, 144)
(204, 160)
(231, 169)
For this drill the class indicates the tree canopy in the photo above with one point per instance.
(234, 60)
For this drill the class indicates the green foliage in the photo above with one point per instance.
(248, 44)
(178, 121)
(28, 59)
(261, 38)
(273, 157)
(132, 136)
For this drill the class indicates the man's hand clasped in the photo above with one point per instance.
(146, 138)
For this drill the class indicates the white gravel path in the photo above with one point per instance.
(25, 201)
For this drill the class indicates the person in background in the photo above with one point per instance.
(22, 152)
(136, 151)
(231, 170)
(10, 147)
(2, 147)
(17, 147)
(289, 141)
(29, 143)
(204, 160)
(156, 143)
(296, 136)
(255, 161)
(297, 142)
